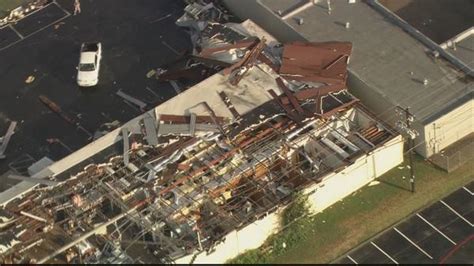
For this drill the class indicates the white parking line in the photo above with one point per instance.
(455, 212)
(413, 243)
(385, 253)
(17, 33)
(432, 226)
(25, 37)
(353, 260)
(64, 10)
(37, 10)
(468, 191)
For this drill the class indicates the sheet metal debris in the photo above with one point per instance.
(55, 108)
(6, 139)
(316, 62)
(182, 183)
(132, 100)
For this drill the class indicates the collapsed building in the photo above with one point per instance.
(399, 68)
(204, 176)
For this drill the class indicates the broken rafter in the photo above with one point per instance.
(319, 104)
(289, 95)
(181, 119)
(285, 107)
(229, 104)
(231, 68)
(206, 52)
(55, 108)
(316, 62)
(339, 108)
(90, 233)
(209, 61)
(240, 68)
(218, 160)
(336, 60)
(314, 92)
(213, 116)
(34, 217)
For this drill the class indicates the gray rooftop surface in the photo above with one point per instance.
(465, 50)
(384, 56)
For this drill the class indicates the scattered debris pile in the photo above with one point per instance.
(183, 189)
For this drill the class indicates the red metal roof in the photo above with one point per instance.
(317, 62)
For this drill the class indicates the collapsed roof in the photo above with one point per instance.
(185, 181)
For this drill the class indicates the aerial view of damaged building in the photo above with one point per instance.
(205, 175)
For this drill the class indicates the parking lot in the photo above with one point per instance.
(34, 23)
(441, 233)
(136, 36)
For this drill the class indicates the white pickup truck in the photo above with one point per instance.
(89, 64)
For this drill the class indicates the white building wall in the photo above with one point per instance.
(336, 186)
(333, 188)
(449, 128)
(236, 242)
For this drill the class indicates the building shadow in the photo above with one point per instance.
(393, 185)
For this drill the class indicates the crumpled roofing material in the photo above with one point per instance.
(316, 62)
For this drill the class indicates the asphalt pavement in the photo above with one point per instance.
(135, 35)
(441, 233)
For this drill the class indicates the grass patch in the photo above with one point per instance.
(294, 220)
(7, 5)
(323, 237)
(297, 208)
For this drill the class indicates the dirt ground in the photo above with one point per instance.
(440, 20)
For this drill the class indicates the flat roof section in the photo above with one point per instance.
(384, 56)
